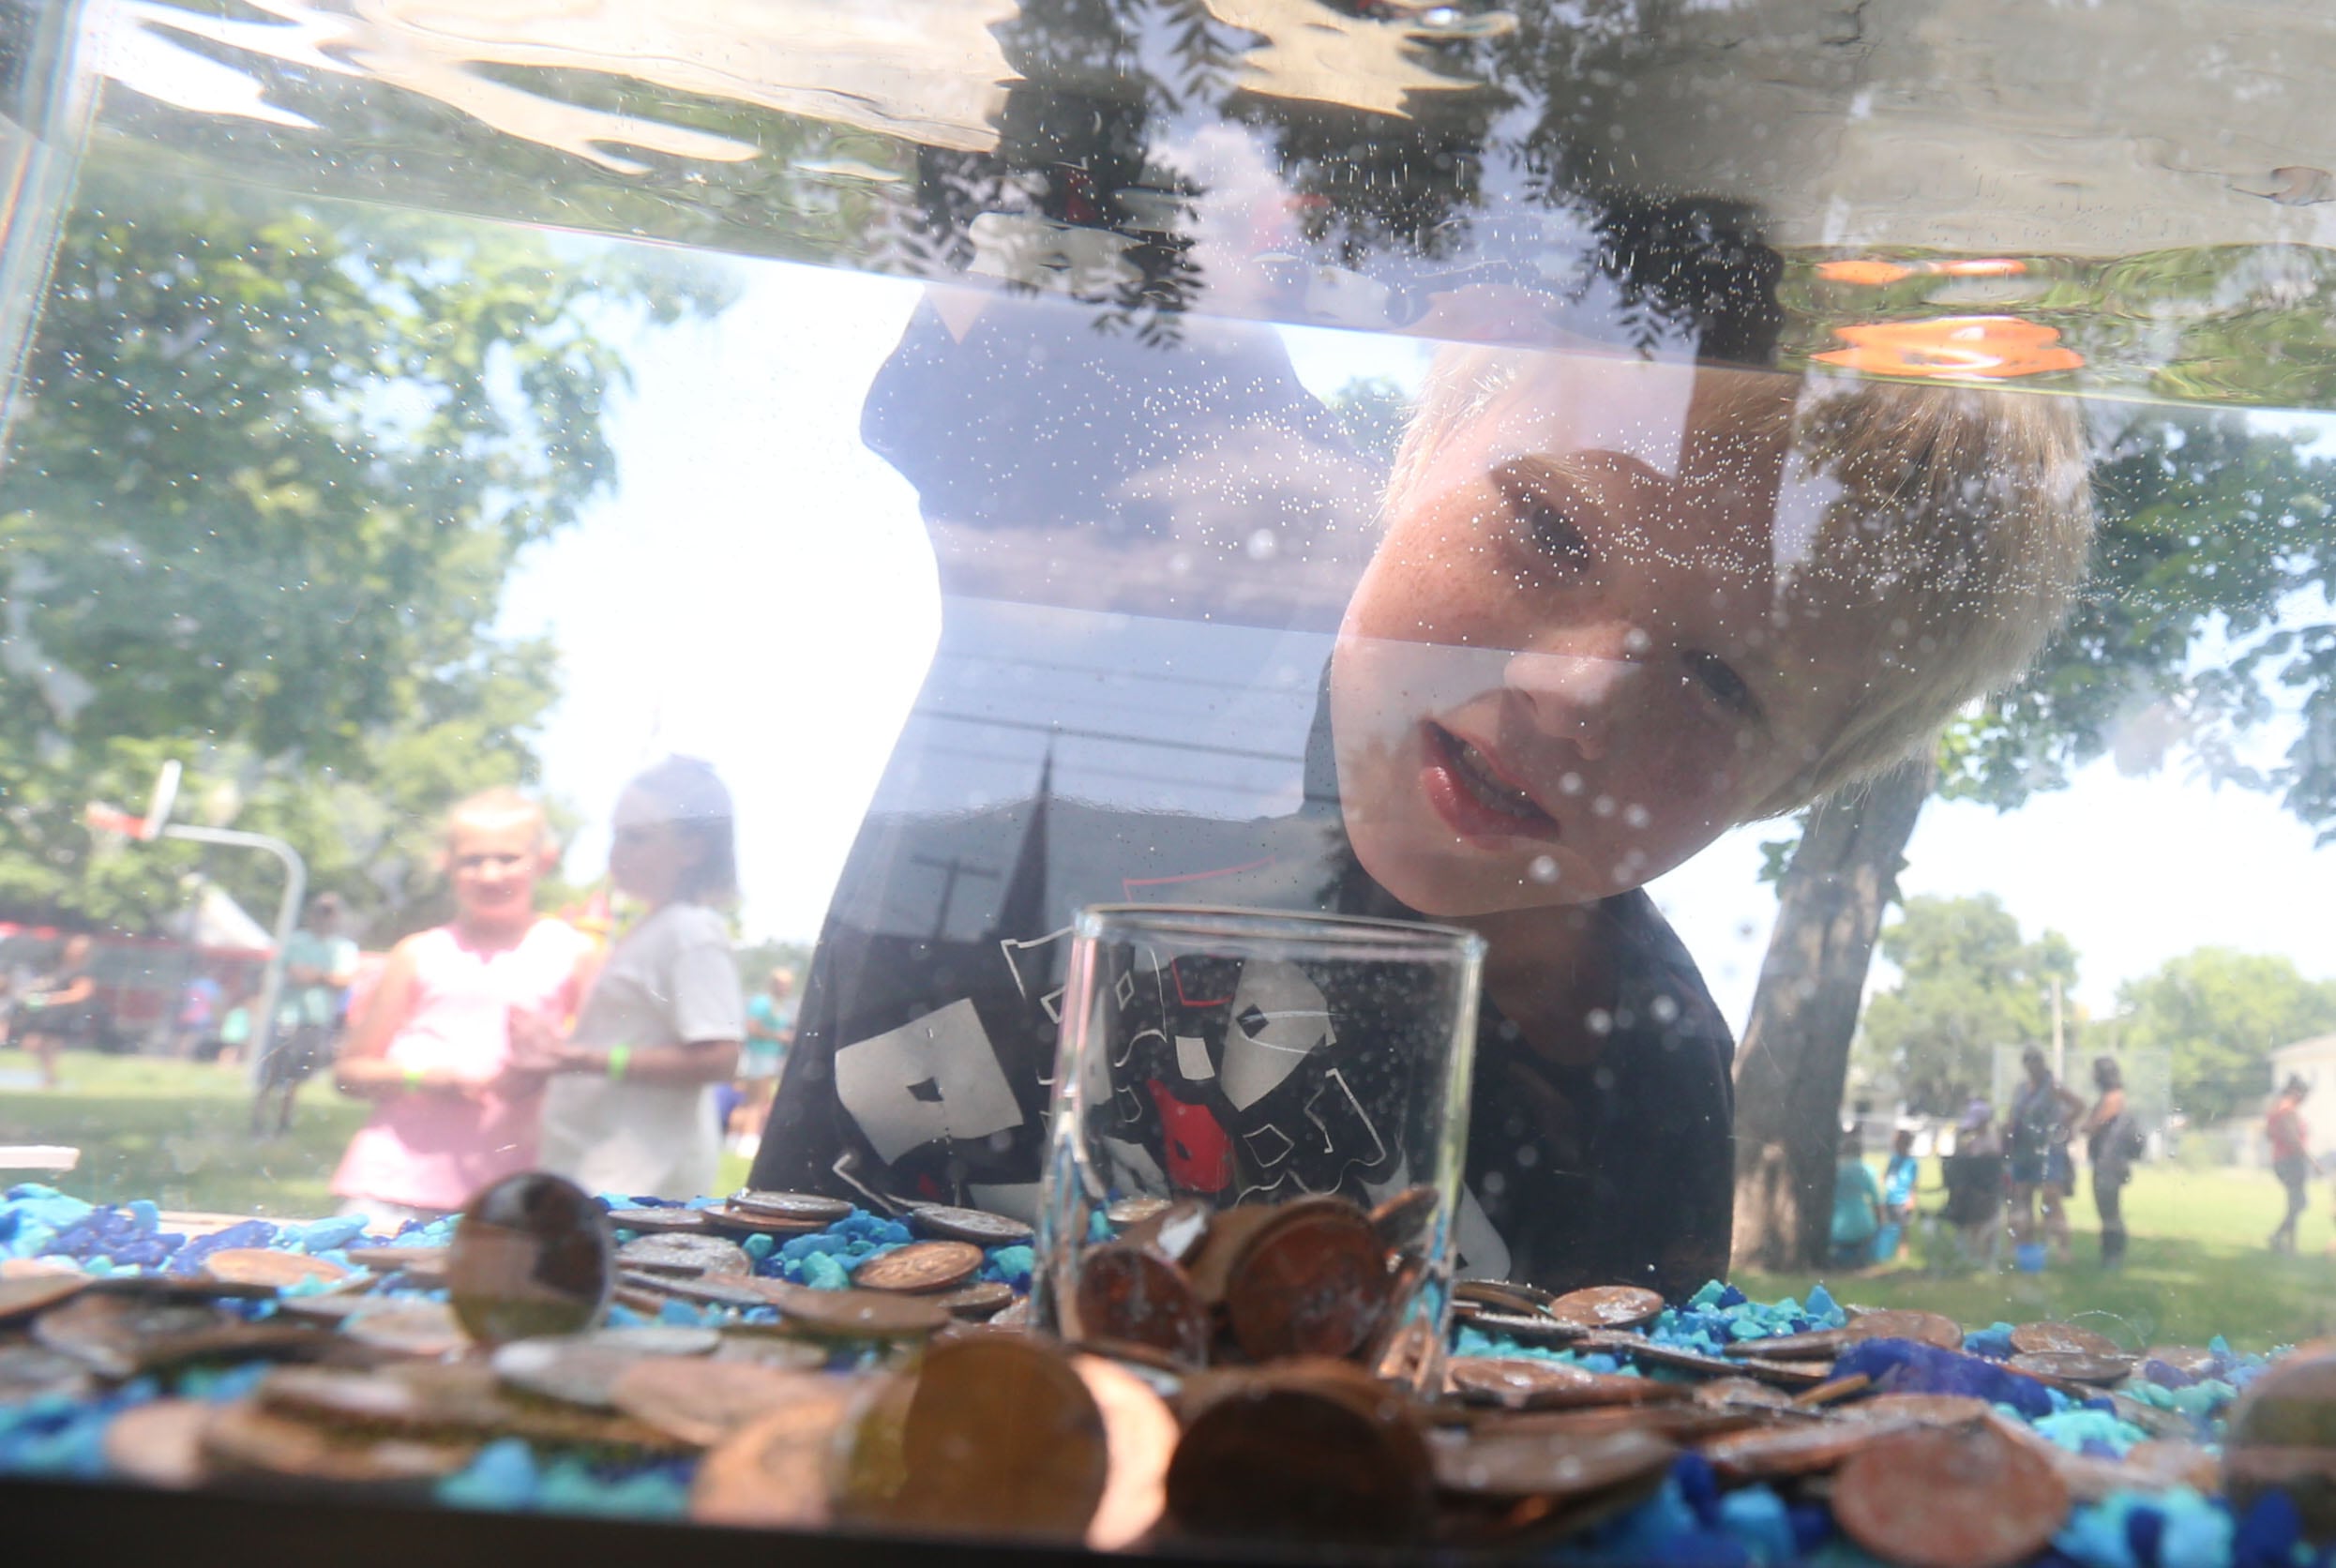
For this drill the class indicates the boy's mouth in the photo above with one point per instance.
(1467, 790)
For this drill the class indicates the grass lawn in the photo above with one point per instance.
(2196, 1267)
(180, 1133)
(177, 1132)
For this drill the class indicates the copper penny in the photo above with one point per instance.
(736, 1291)
(943, 1223)
(686, 1256)
(27, 1297)
(242, 1439)
(1405, 1220)
(978, 1302)
(391, 1258)
(1833, 1391)
(1526, 1383)
(772, 1473)
(1647, 1352)
(1773, 1454)
(2073, 1366)
(158, 1443)
(1923, 1328)
(702, 1401)
(856, 1314)
(1174, 1230)
(2031, 1339)
(1312, 1282)
(531, 1256)
(1291, 1454)
(121, 1336)
(1124, 1212)
(582, 1369)
(1607, 1306)
(1826, 1344)
(426, 1329)
(259, 1265)
(447, 1400)
(1505, 1296)
(29, 1372)
(1949, 1497)
(1228, 1232)
(1723, 1391)
(817, 1208)
(2280, 1437)
(1499, 1461)
(1132, 1295)
(655, 1222)
(1535, 1328)
(919, 1267)
(1928, 1410)
(999, 1435)
(733, 1220)
(1139, 1436)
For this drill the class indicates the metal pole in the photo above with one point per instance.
(2059, 1038)
(287, 920)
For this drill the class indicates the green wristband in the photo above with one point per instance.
(414, 1077)
(618, 1057)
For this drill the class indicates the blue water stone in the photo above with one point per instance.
(1698, 1487)
(1010, 1265)
(682, 1315)
(1823, 1310)
(1756, 1517)
(2268, 1533)
(502, 1476)
(1904, 1366)
(325, 1235)
(758, 1246)
(822, 1273)
(623, 1316)
(1993, 1342)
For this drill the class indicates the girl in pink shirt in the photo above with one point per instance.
(433, 1047)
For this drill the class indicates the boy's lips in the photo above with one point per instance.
(1470, 790)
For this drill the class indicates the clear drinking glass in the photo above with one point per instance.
(1215, 1060)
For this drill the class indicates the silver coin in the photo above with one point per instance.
(684, 1255)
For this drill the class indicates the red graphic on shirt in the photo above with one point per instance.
(1199, 1152)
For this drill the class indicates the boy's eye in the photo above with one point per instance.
(1543, 519)
(1721, 683)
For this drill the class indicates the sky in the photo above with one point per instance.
(759, 590)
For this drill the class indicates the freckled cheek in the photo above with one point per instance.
(1684, 773)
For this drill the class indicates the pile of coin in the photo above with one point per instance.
(1186, 1286)
(1235, 1376)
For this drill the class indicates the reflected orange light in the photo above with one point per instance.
(1987, 347)
(2001, 267)
(1873, 273)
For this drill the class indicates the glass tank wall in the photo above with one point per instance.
(1806, 526)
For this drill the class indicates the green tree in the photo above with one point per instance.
(2219, 1014)
(272, 464)
(2207, 601)
(1967, 981)
(1373, 411)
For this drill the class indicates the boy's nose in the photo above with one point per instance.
(1570, 694)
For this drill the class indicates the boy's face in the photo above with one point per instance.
(1562, 672)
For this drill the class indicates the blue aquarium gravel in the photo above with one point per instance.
(1692, 1521)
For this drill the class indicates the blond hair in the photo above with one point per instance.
(501, 804)
(1962, 514)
